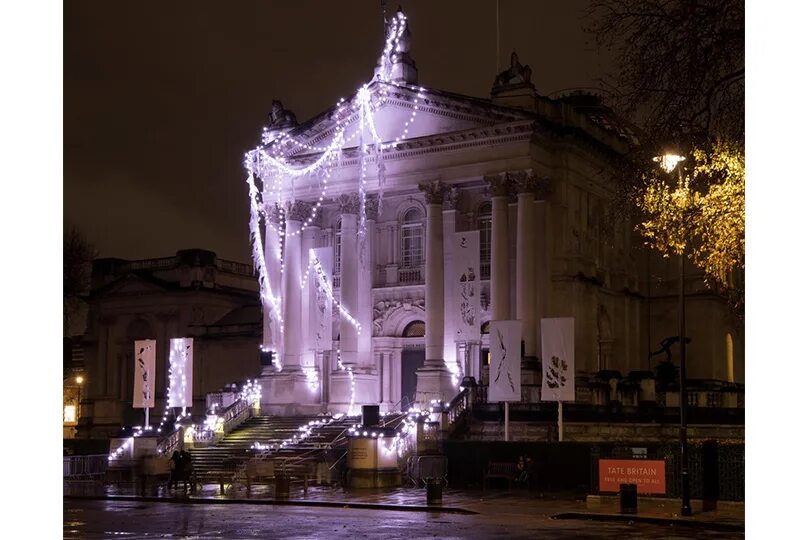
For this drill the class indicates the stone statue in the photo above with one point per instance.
(516, 74)
(281, 117)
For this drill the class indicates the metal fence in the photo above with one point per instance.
(716, 469)
(420, 468)
(84, 467)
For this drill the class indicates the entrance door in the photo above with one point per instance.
(412, 359)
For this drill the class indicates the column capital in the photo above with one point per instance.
(299, 210)
(434, 191)
(499, 184)
(453, 199)
(348, 203)
(273, 213)
(372, 207)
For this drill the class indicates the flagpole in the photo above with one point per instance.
(506, 421)
(559, 422)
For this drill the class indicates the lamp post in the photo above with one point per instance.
(669, 162)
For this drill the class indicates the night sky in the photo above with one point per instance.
(162, 99)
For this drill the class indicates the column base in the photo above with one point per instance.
(366, 390)
(290, 393)
(433, 383)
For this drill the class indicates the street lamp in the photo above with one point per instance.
(670, 162)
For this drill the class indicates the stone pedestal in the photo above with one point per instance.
(289, 393)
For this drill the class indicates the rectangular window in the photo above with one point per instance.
(411, 246)
(485, 225)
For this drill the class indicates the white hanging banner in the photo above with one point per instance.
(466, 280)
(181, 366)
(559, 372)
(320, 311)
(143, 393)
(504, 365)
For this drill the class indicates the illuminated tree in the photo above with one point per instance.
(703, 216)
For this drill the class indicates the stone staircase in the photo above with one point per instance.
(226, 461)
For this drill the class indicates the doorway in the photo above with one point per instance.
(412, 359)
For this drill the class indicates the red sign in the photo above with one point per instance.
(648, 475)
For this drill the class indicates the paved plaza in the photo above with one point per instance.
(105, 511)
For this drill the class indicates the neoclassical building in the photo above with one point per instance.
(528, 174)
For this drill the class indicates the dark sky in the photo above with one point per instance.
(162, 99)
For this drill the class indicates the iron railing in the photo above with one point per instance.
(92, 467)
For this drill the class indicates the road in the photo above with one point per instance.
(118, 519)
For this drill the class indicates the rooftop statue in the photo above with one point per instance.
(516, 74)
(281, 117)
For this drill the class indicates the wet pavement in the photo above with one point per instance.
(122, 519)
(390, 513)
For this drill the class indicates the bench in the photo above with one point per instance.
(500, 469)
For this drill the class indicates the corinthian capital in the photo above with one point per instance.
(348, 203)
(299, 211)
(372, 207)
(434, 191)
(498, 184)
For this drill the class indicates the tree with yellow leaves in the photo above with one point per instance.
(703, 215)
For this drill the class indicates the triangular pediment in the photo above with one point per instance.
(132, 284)
(437, 112)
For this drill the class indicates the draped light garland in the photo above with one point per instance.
(271, 164)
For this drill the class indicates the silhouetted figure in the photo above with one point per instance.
(175, 471)
(665, 346)
(185, 468)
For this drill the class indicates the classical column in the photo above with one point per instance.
(526, 313)
(271, 328)
(499, 282)
(433, 380)
(349, 207)
(434, 275)
(449, 220)
(365, 282)
(309, 240)
(542, 256)
(293, 335)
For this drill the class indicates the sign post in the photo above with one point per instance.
(559, 373)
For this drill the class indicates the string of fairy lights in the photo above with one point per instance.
(271, 164)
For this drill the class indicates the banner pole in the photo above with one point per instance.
(146, 415)
(506, 421)
(559, 421)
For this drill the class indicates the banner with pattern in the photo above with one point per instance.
(504, 363)
(466, 299)
(181, 366)
(143, 393)
(320, 311)
(559, 372)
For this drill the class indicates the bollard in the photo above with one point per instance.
(434, 490)
(282, 487)
(306, 483)
(221, 485)
(628, 499)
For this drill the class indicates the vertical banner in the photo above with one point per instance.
(320, 311)
(143, 393)
(504, 366)
(466, 301)
(558, 359)
(181, 374)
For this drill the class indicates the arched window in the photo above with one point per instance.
(485, 226)
(414, 329)
(485, 328)
(412, 239)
